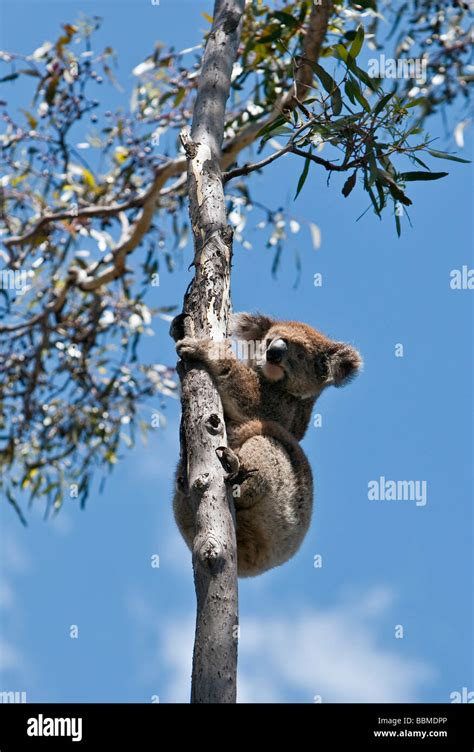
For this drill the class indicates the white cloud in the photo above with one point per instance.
(341, 653)
(15, 562)
(62, 524)
(157, 459)
(10, 658)
(6, 595)
(15, 558)
(175, 554)
(176, 650)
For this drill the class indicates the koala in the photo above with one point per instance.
(268, 398)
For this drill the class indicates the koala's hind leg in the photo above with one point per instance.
(273, 503)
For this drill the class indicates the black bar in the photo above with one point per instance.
(324, 726)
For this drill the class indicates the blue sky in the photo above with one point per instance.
(306, 632)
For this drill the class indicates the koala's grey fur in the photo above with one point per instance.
(267, 408)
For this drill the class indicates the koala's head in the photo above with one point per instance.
(302, 359)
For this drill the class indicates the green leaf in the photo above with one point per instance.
(29, 72)
(349, 89)
(16, 507)
(273, 130)
(272, 37)
(372, 163)
(165, 96)
(32, 121)
(399, 17)
(283, 131)
(350, 35)
(327, 81)
(88, 178)
(395, 190)
(58, 499)
(336, 101)
(349, 184)
(381, 194)
(419, 161)
(412, 176)
(372, 198)
(360, 97)
(382, 103)
(51, 90)
(399, 195)
(10, 77)
(357, 43)
(28, 477)
(302, 178)
(286, 19)
(271, 126)
(179, 97)
(445, 155)
(341, 52)
(415, 102)
(276, 260)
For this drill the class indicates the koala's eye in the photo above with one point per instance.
(321, 366)
(300, 355)
(269, 341)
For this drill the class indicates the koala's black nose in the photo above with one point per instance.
(277, 351)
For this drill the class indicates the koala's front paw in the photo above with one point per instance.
(190, 348)
(229, 461)
(178, 326)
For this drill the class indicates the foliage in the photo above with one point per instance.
(84, 188)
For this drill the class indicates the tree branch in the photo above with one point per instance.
(330, 166)
(314, 37)
(88, 279)
(290, 148)
(207, 305)
(246, 169)
(164, 172)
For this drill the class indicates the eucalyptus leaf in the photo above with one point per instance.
(413, 176)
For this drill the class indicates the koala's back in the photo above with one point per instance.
(274, 504)
(274, 501)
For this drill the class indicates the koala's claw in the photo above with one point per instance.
(229, 461)
(243, 474)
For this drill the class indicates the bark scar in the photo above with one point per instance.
(203, 155)
(198, 154)
(214, 425)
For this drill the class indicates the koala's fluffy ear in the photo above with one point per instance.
(344, 362)
(249, 326)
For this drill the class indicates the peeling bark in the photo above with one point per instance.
(206, 309)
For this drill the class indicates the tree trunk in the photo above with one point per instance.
(206, 306)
